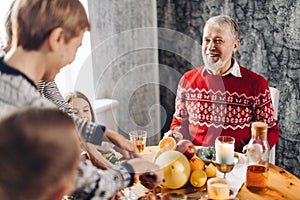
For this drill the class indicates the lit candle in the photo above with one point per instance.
(224, 150)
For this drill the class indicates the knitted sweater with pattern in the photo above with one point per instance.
(211, 105)
(17, 91)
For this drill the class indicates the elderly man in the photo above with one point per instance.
(221, 97)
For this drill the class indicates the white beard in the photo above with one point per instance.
(214, 67)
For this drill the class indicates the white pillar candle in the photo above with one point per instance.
(224, 151)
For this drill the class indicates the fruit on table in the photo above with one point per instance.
(175, 168)
(176, 134)
(211, 170)
(157, 153)
(167, 143)
(196, 163)
(186, 147)
(198, 178)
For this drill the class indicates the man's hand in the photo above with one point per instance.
(150, 171)
(175, 134)
(123, 145)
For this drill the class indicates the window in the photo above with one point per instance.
(4, 6)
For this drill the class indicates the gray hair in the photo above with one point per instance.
(225, 19)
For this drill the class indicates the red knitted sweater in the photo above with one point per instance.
(211, 105)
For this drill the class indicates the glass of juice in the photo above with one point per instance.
(139, 138)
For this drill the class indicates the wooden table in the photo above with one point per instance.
(282, 184)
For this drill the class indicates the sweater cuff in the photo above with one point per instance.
(97, 137)
(131, 172)
(93, 133)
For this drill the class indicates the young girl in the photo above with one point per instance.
(81, 105)
(83, 108)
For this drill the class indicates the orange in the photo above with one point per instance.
(196, 163)
(167, 143)
(211, 170)
(198, 178)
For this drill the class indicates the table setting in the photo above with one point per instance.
(282, 184)
(187, 188)
(225, 171)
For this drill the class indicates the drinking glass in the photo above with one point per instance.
(224, 146)
(218, 188)
(139, 138)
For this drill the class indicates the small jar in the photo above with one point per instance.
(257, 162)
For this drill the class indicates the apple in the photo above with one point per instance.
(186, 147)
